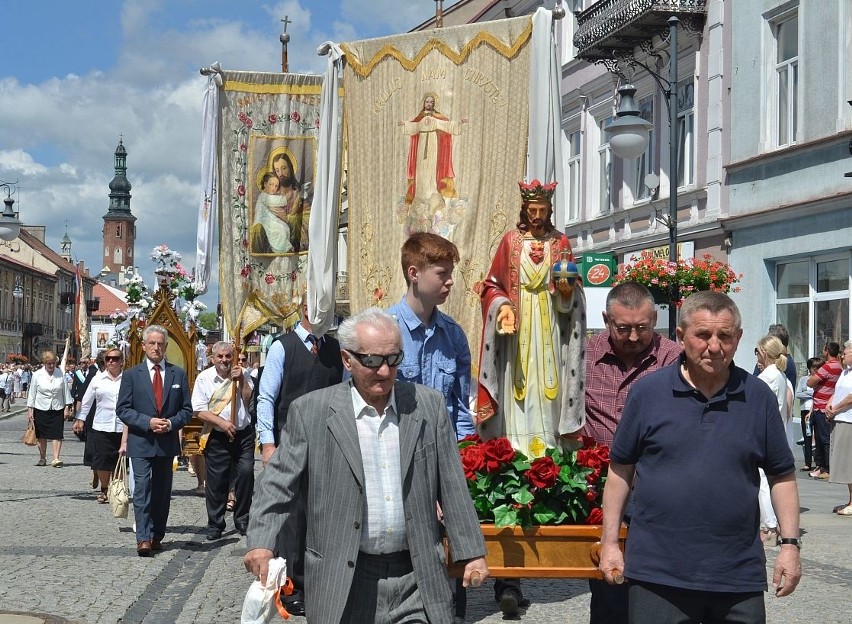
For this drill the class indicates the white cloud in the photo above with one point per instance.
(19, 162)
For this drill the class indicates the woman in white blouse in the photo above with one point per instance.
(108, 441)
(48, 402)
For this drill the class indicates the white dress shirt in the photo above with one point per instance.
(205, 385)
(383, 517)
(49, 392)
(103, 389)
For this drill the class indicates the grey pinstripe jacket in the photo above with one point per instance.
(319, 459)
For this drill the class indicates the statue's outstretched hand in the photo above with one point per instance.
(506, 320)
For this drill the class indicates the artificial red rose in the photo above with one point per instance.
(591, 495)
(497, 452)
(246, 270)
(273, 118)
(473, 437)
(241, 190)
(269, 278)
(472, 459)
(588, 458)
(542, 473)
(295, 116)
(594, 476)
(595, 516)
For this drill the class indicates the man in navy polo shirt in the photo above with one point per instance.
(694, 435)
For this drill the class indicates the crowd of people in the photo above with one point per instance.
(359, 470)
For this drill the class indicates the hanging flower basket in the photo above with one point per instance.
(690, 275)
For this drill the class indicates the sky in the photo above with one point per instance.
(75, 77)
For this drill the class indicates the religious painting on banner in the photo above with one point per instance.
(436, 134)
(267, 160)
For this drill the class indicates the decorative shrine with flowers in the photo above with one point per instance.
(688, 275)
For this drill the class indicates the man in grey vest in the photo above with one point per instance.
(298, 362)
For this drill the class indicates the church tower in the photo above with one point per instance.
(119, 224)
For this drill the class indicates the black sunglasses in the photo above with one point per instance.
(112, 358)
(375, 361)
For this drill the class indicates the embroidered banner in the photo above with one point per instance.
(436, 127)
(267, 162)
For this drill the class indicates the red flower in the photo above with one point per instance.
(241, 190)
(245, 271)
(295, 117)
(497, 452)
(542, 473)
(473, 437)
(269, 278)
(316, 123)
(242, 117)
(249, 123)
(243, 147)
(273, 118)
(595, 516)
(473, 459)
(591, 495)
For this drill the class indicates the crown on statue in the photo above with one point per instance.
(536, 191)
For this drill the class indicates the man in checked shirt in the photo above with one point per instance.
(627, 350)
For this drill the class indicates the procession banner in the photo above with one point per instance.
(267, 163)
(436, 130)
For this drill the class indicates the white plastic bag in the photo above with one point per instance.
(259, 605)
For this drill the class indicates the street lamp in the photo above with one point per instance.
(629, 138)
(10, 226)
(18, 294)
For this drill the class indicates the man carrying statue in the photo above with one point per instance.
(531, 366)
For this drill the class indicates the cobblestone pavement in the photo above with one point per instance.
(63, 554)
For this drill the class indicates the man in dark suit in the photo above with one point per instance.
(371, 459)
(154, 403)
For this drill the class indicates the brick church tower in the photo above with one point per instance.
(119, 225)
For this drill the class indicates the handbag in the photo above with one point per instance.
(118, 493)
(30, 435)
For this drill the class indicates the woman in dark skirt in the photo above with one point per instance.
(105, 434)
(48, 402)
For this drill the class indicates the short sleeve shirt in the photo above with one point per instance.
(695, 513)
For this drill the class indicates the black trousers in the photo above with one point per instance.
(822, 435)
(224, 456)
(660, 604)
(608, 603)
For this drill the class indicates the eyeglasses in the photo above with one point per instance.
(241, 359)
(626, 330)
(112, 358)
(376, 361)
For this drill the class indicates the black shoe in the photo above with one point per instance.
(241, 530)
(510, 600)
(295, 607)
(213, 534)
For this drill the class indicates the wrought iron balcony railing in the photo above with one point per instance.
(612, 28)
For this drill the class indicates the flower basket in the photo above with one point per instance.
(540, 517)
(690, 275)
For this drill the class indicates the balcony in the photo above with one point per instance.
(613, 28)
(93, 304)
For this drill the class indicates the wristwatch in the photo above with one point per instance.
(792, 541)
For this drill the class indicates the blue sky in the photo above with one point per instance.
(76, 76)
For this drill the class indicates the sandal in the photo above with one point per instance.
(103, 497)
(41, 462)
(845, 511)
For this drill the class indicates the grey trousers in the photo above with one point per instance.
(384, 591)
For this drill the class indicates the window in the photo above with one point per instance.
(117, 256)
(106, 252)
(572, 173)
(644, 165)
(813, 303)
(786, 33)
(605, 170)
(686, 133)
(118, 230)
(129, 252)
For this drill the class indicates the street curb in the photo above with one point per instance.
(15, 411)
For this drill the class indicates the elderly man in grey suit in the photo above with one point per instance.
(371, 458)
(153, 401)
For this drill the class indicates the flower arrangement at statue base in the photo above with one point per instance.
(540, 517)
(691, 275)
(509, 489)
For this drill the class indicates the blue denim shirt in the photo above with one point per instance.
(438, 357)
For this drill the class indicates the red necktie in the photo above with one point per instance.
(158, 388)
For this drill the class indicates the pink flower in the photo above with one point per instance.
(378, 294)
(243, 147)
(269, 278)
(316, 123)
(242, 117)
(245, 271)
(295, 117)
(241, 190)
(248, 123)
(273, 118)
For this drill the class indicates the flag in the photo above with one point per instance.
(81, 326)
